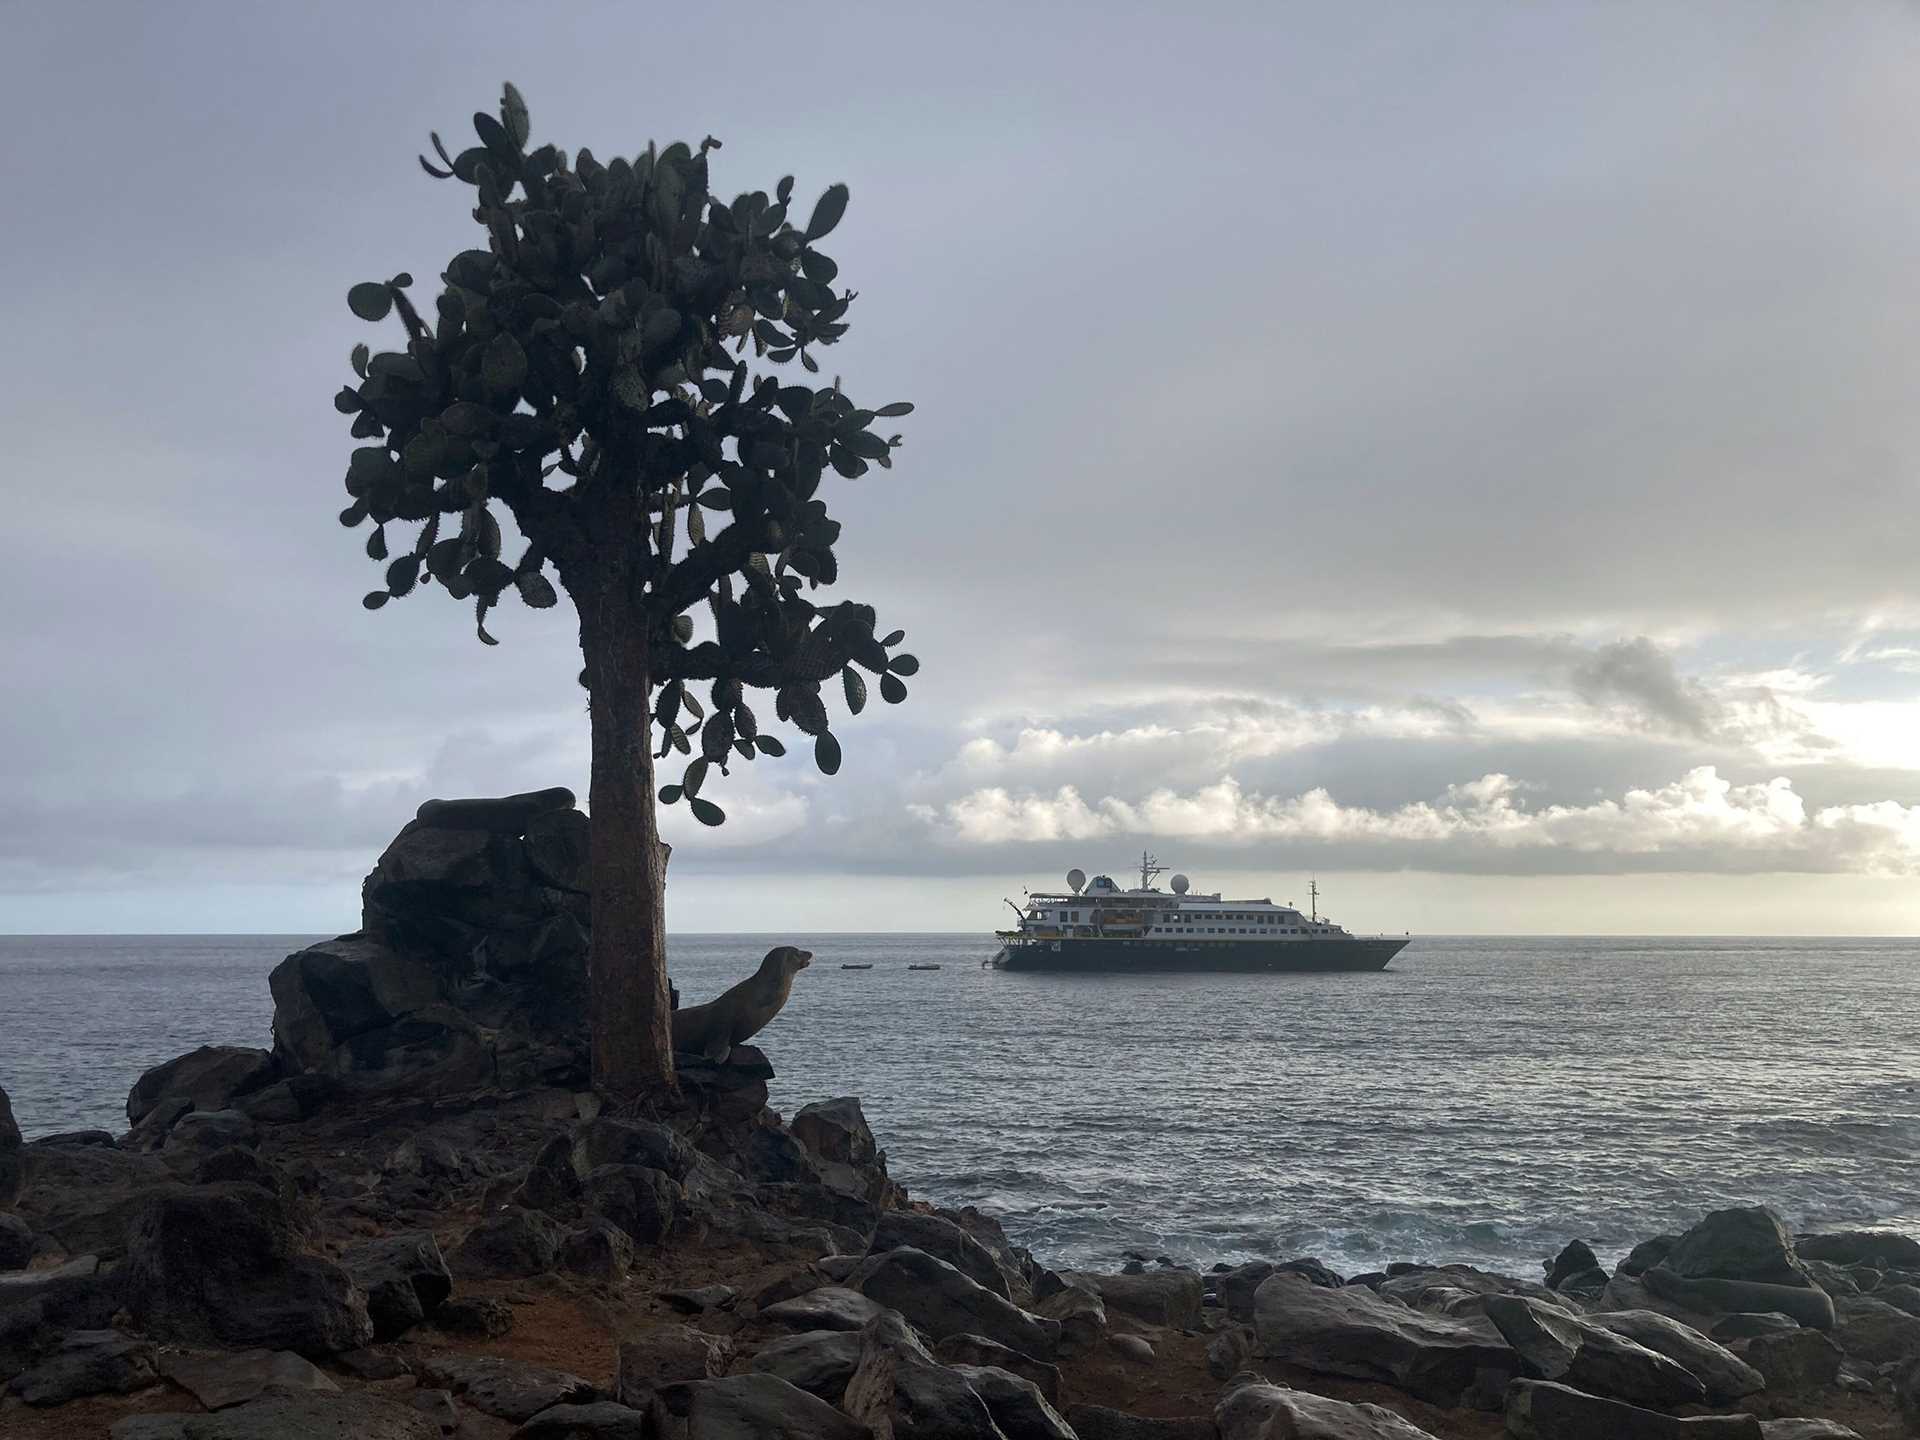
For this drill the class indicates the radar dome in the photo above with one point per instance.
(1180, 883)
(1076, 879)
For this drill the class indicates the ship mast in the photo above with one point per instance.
(1313, 894)
(1149, 867)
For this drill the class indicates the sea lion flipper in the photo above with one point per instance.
(718, 1047)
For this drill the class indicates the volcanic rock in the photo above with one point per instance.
(1794, 1362)
(664, 1355)
(220, 1262)
(1743, 1243)
(1559, 1346)
(89, 1362)
(210, 1078)
(640, 1200)
(820, 1362)
(1160, 1297)
(942, 1239)
(1015, 1403)
(1542, 1410)
(602, 1420)
(405, 1279)
(826, 1307)
(941, 1302)
(1725, 1376)
(361, 1415)
(598, 1249)
(515, 1243)
(898, 1389)
(1272, 1412)
(750, 1407)
(222, 1378)
(1353, 1332)
(1575, 1258)
(977, 1350)
(510, 1389)
(1884, 1249)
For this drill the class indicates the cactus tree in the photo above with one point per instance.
(616, 372)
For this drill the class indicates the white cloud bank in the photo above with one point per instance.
(1698, 816)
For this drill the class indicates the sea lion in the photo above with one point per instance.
(716, 1027)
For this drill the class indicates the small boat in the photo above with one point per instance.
(856, 967)
(923, 967)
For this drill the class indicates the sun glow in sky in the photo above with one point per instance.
(1467, 451)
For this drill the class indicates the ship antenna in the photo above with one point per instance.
(1313, 894)
(1149, 867)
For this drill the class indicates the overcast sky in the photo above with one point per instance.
(1466, 450)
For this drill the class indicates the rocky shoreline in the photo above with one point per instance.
(410, 1219)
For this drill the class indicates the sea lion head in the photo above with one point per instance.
(785, 960)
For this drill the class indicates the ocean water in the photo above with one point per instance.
(1481, 1100)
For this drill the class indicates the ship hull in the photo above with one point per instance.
(1234, 957)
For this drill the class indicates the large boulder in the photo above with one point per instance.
(512, 1244)
(1081, 1315)
(836, 1133)
(899, 1390)
(210, 1078)
(470, 964)
(1356, 1333)
(89, 1362)
(509, 1389)
(38, 1308)
(85, 1196)
(1742, 1243)
(1794, 1362)
(1459, 1289)
(826, 1307)
(1883, 1249)
(820, 1362)
(665, 1355)
(343, 1010)
(941, 1238)
(1544, 1410)
(1558, 1346)
(1160, 1297)
(1576, 1258)
(1016, 1404)
(222, 1262)
(637, 1198)
(1273, 1412)
(1725, 1376)
(1236, 1287)
(309, 1415)
(941, 1302)
(404, 1277)
(602, 1420)
(1874, 1331)
(978, 1351)
(750, 1407)
(220, 1378)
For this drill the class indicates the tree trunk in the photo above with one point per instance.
(632, 1017)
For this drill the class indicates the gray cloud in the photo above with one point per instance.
(1335, 389)
(1639, 675)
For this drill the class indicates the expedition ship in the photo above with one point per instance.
(1096, 926)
